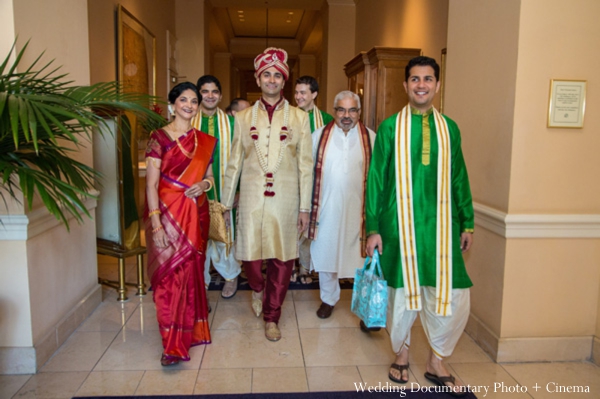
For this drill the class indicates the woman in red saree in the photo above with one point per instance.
(178, 174)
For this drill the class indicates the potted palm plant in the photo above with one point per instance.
(40, 113)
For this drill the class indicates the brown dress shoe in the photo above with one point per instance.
(272, 332)
(324, 310)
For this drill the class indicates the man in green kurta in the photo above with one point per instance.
(420, 217)
(305, 94)
(213, 121)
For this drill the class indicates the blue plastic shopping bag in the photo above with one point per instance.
(369, 295)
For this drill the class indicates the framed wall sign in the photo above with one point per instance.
(566, 105)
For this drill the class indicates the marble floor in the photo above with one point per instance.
(116, 351)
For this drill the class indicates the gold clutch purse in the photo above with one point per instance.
(218, 231)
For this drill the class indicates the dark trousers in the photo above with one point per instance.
(275, 286)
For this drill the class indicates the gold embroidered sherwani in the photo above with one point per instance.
(267, 226)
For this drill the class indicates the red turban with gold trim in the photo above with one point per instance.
(272, 57)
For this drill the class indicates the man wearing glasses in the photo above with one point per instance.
(342, 154)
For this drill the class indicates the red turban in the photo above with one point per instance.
(272, 57)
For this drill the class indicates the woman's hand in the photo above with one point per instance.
(197, 189)
(160, 238)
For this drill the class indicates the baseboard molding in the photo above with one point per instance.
(28, 360)
(536, 225)
(35, 222)
(482, 335)
(596, 351)
(535, 349)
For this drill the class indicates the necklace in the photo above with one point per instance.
(285, 138)
(188, 154)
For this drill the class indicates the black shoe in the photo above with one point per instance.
(324, 311)
(366, 329)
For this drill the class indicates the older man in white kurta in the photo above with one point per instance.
(342, 153)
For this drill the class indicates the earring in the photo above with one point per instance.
(171, 110)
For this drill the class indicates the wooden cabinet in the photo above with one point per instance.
(377, 76)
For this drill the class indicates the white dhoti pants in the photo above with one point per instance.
(443, 332)
(329, 287)
(227, 266)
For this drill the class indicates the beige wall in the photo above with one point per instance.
(15, 304)
(190, 39)
(341, 31)
(402, 23)
(66, 42)
(597, 333)
(223, 72)
(7, 27)
(547, 280)
(481, 64)
(157, 15)
(480, 91)
(555, 171)
(418, 24)
(55, 269)
(498, 75)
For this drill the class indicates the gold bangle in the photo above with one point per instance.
(210, 184)
(154, 212)
(157, 229)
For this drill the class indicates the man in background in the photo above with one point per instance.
(237, 104)
(305, 94)
(213, 121)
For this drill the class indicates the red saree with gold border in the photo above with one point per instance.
(177, 271)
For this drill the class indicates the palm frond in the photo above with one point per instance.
(39, 108)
